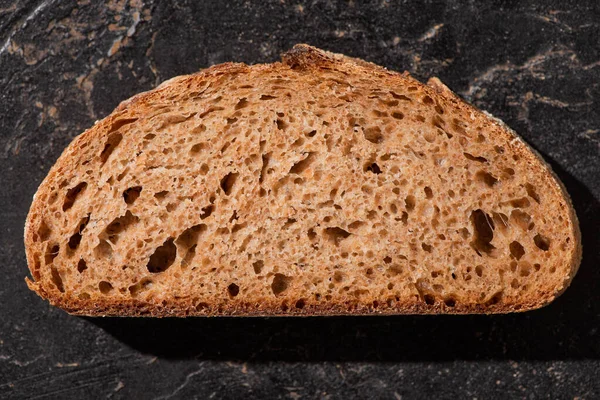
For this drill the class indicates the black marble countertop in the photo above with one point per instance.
(65, 64)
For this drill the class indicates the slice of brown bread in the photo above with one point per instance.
(320, 185)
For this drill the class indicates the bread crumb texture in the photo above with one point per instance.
(319, 185)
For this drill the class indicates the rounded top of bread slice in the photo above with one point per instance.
(320, 185)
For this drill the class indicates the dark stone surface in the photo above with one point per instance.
(63, 64)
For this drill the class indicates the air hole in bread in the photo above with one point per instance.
(459, 126)
(119, 225)
(105, 287)
(303, 164)
(373, 134)
(81, 265)
(500, 221)
(542, 242)
(204, 168)
(52, 198)
(163, 257)
(486, 178)
(532, 193)
(233, 290)
(390, 103)
(258, 266)
(75, 239)
(450, 302)
(427, 100)
(429, 136)
(356, 225)
(265, 163)
(516, 250)
(281, 124)
(139, 287)
(131, 195)
(429, 299)
(208, 111)
(404, 217)
(521, 218)
(300, 303)
(428, 248)
(51, 253)
(197, 148)
(122, 174)
(373, 167)
(44, 231)
(479, 270)
(189, 256)
(338, 277)
(103, 250)
(72, 195)
(111, 144)
(397, 115)
(522, 202)
(119, 123)
(242, 103)
(189, 237)
(336, 234)
(438, 122)
(409, 202)
(280, 284)
(298, 142)
(228, 181)
(524, 268)
(289, 222)
(483, 229)
(207, 211)
(475, 158)
(401, 96)
(57, 279)
(161, 195)
(495, 299)
(428, 192)
(267, 97)
(238, 227)
(226, 146)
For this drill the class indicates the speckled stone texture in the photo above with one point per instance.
(65, 64)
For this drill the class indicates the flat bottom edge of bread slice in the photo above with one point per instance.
(322, 185)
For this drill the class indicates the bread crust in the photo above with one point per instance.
(302, 57)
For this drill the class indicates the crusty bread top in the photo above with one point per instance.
(320, 185)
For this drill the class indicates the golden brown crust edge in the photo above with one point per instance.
(301, 56)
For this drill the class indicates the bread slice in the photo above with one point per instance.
(320, 185)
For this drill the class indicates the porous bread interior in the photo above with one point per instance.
(336, 188)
